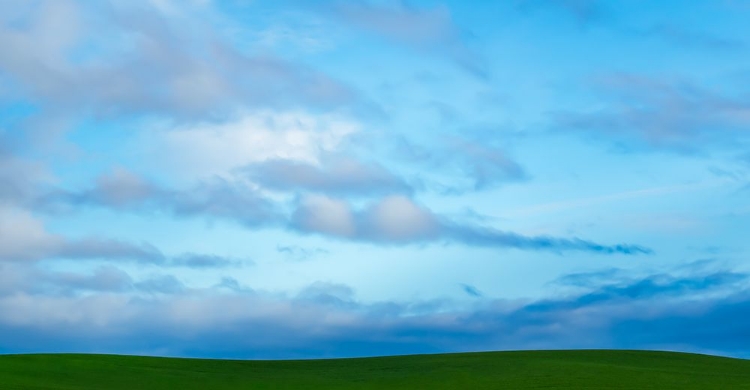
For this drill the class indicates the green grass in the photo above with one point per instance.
(492, 370)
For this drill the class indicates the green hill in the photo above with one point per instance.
(491, 370)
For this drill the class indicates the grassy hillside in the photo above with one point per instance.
(495, 370)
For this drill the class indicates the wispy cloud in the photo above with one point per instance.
(398, 220)
(646, 113)
(428, 29)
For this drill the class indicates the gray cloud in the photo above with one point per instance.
(393, 219)
(166, 68)
(197, 260)
(471, 290)
(123, 190)
(163, 284)
(19, 178)
(398, 220)
(651, 114)
(488, 237)
(223, 199)
(326, 320)
(337, 176)
(431, 30)
(29, 279)
(95, 248)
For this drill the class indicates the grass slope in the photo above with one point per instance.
(492, 370)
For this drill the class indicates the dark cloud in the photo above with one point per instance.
(697, 312)
(483, 236)
(197, 260)
(471, 290)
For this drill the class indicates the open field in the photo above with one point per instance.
(492, 370)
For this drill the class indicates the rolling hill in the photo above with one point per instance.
(584, 369)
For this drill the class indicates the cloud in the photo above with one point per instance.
(135, 57)
(163, 284)
(223, 199)
(471, 290)
(392, 219)
(254, 137)
(321, 214)
(472, 165)
(213, 198)
(398, 220)
(19, 178)
(487, 165)
(489, 237)
(338, 176)
(30, 279)
(200, 261)
(431, 30)
(650, 114)
(326, 320)
(23, 238)
(296, 252)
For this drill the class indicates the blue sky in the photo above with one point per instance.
(282, 179)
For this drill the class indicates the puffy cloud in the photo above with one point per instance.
(321, 214)
(398, 220)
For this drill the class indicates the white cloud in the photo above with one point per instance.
(22, 237)
(216, 148)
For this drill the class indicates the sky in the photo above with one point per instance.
(309, 179)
